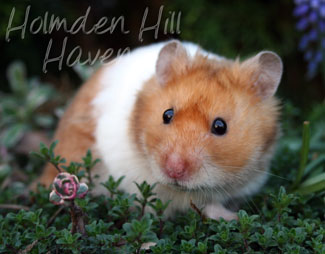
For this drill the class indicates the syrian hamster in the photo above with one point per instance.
(201, 126)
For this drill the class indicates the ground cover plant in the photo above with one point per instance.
(286, 216)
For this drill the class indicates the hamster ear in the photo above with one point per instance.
(172, 61)
(267, 71)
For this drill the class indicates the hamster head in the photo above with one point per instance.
(204, 124)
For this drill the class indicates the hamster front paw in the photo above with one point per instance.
(217, 211)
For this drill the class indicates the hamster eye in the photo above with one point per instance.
(168, 115)
(219, 126)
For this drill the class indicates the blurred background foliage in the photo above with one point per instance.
(228, 27)
(231, 28)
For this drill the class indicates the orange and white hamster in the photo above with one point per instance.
(201, 126)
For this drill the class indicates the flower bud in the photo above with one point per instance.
(67, 187)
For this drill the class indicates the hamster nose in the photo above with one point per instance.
(176, 167)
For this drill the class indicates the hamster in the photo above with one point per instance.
(201, 126)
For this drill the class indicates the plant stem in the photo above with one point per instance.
(14, 207)
(304, 154)
(89, 176)
(246, 244)
(161, 226)
(77, 219)
(29, 247)
(51, 220)
(57, 167)
(197, 210)
(143, 207)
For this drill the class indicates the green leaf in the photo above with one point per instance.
(13, 134)
(303, 154)
(38, 155)
(314, 164)
(4, 171)
(111, 185)
(37, 96)
(17, 77)
(314, 184)
(83, 71)
(45, 121)
(43, 149)
(51, 149)
(313, 180)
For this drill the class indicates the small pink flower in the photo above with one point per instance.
(67, 187)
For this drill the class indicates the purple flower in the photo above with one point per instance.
(313, 16)
(297, 2)
(304, 42)
(311, 21)
(67, 187)
(301, 10)
(308, 55)
(321, 26)
(302, 24)
(312, 66)
(313, 35)
(322, 10)
(323, 43)
(314, 3)
(318, 57)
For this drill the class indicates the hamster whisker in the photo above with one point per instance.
(233, 200)
(207, 172)
(254, 169)
(219, 189)
(232, 173)
(248, 201)
(225, 192)
(268, 173)
(217, 157)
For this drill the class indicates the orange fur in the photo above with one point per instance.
(75, 132)
(207, 90)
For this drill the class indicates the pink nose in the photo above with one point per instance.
(176, 167)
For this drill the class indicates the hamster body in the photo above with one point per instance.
(200, 126)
